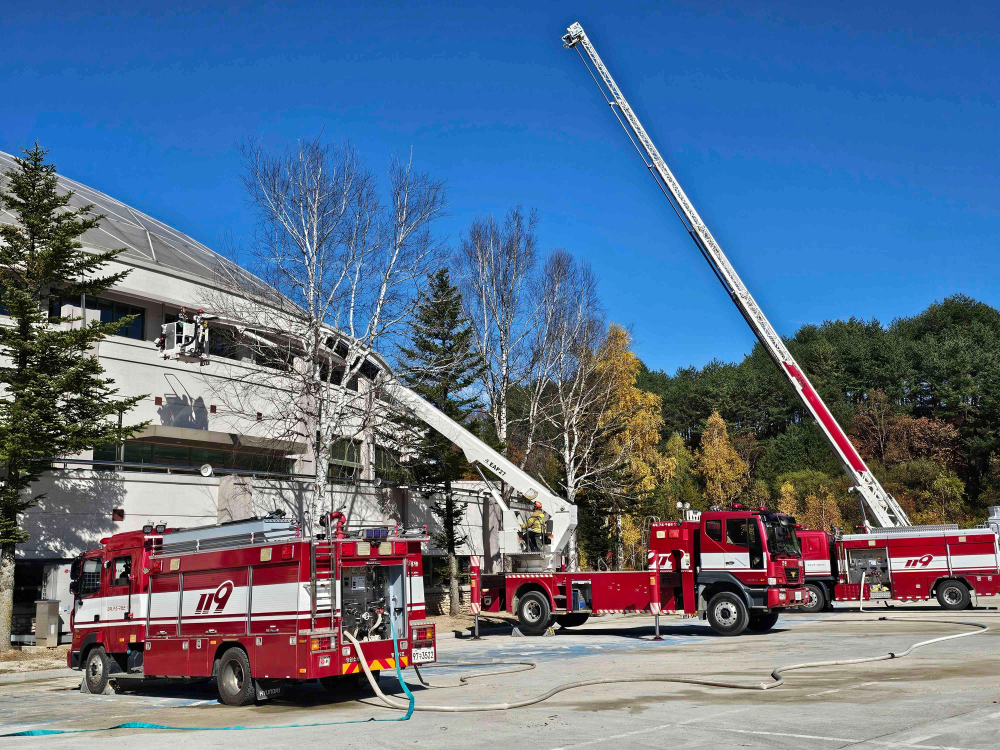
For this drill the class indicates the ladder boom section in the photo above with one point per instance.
(880, 503)
(562, 512)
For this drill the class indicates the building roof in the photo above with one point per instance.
(144, 238)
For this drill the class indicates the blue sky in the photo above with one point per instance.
(845, 157)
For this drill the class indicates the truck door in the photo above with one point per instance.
(713, 555)
(737, 544)
(117, 604)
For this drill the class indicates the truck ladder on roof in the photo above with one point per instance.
(880, 503)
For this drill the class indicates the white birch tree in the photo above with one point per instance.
(341, 271)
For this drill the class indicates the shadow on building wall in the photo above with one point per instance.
(183, 411)
(74, 515)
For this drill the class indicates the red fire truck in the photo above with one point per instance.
(906, 564)
(737, 568)
(251, 603)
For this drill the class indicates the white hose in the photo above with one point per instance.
(775, 675)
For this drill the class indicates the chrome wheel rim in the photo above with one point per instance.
(95, 669)
(232, 678)
(726, 614)
(532, 611)
(952, 595)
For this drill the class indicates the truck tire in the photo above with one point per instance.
(816, 599)
(235, 683)
(574, 620)
(533, 613)
(761, 623)
(727, 614)
(953, 594)
(96, 670)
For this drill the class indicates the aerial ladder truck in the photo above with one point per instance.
(892, 558)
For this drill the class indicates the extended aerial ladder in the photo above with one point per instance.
(882, 506)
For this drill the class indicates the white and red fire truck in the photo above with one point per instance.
(251, 603)
(904, 564)
(736, 568)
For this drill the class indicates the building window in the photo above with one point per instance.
(162, 455)
(111, 311)
(29, 579)
(222, 342)
(388, 468)
(345, 459)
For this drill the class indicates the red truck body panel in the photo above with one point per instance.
(901, 564)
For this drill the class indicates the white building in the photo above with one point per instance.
(156, 476)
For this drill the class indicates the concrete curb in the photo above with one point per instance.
(38, 675)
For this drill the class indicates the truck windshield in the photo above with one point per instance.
(781, 537)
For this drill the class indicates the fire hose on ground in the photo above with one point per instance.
(776, 675)
(410, 706)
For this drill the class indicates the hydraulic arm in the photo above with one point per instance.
(479, 454)
(879, 503)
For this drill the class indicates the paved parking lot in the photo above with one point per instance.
(947, 695)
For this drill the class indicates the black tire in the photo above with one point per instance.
(953, 594)
(96, 670)
(727, 614)
(816, 596)
(533, 613)
(236, 686)
(573, 620)
(761, 623)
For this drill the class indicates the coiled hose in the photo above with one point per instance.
(776, 675)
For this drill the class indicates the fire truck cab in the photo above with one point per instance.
(251, 603)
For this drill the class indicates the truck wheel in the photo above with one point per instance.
(574, 620)
(235, 684)
(96, 670)
(816, 599)
(763, 622)
(953, 595)
(533, 613)
(727, 614)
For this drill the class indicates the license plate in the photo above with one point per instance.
(422, 655)
(798, 596)
(324, 661)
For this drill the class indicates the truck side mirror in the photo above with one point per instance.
(74, 587)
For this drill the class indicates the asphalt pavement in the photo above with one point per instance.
(946, 695)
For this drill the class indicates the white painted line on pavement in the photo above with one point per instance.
(881, 743)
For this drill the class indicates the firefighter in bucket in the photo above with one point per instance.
(534, 529)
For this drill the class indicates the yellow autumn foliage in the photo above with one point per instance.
(636, 414)
(719, 464)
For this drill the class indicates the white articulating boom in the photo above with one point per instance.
(478, 453)
(880, 503)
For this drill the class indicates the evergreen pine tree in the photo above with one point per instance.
(56, 400)
(440, 365)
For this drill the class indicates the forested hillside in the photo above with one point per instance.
(920, 398)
